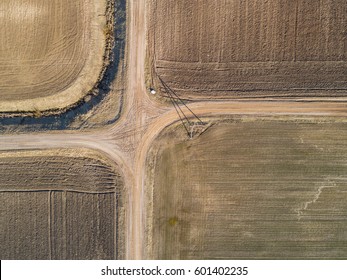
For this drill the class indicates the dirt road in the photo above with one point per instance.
(128, 140)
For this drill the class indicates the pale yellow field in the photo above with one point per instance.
(51, 52)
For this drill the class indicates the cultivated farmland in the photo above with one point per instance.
(60, 204)
(112, 175)
(249, 188)
(249, 49)
(51, 52)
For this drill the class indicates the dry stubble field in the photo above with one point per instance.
(249, 188)
(51, 52)
(61, 204)
(249, 49)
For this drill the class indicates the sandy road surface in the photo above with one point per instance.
(128, 141)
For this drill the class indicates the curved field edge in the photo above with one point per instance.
(299, 171)
(94, 78)
(88, 178)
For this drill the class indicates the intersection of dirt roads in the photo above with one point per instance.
(128, 140)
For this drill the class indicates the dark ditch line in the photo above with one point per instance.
(57, 120)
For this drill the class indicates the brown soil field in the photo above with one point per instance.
(249, 49)
(51, 52)
(249, 188)
(60, 204)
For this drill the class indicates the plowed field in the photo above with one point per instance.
(60, 204)
(249, 49)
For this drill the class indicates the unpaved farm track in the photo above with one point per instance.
(127, 142)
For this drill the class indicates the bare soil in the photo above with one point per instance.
(249, 49)
(61, 204)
